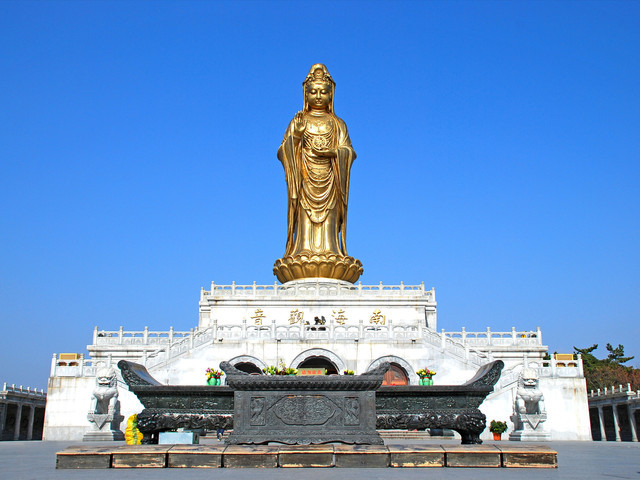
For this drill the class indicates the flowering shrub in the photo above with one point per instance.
(349, 372)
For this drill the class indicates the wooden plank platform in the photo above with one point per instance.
(506, 455)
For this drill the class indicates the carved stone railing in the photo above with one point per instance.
(455, 348)
(489, 338)
(80, 367)
(545, 369)
(23, 391)
(137, 337)
(318, 289)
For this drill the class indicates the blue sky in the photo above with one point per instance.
(498, 160)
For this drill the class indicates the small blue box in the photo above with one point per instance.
(174, 438)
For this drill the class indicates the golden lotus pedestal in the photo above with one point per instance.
(333, 266)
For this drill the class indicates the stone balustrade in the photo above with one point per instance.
(318, 290)
(490, 338)
(28, 391)
(551, 368)
(144, 337)
(78, 368)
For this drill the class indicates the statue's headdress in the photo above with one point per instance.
(318, 73)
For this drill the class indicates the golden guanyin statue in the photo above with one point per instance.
(316, 153)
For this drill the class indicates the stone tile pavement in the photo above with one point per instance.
(577, 460)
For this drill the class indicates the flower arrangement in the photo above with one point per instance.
(425, 373)
(498, 427)
(281, 369)
(270, 370)
(211, 373)
(349, 372)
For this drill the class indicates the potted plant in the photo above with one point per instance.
(497, 428)
(426, 376)
(213, 376)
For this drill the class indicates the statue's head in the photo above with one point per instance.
(106, 377)
(318, 89)
(529, 378)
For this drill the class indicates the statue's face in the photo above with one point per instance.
(319, 95)
(530, 382)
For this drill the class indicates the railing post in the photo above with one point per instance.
(170, 335)
(191, 339)
(489, 336)
(539, 335)
(233, 287)
(54, 361)
(513, 335)
(95, 334)
(145, 336)
(120, 335)
(463, 335)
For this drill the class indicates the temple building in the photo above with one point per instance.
(320, 317)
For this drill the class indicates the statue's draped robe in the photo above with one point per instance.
(318, 189)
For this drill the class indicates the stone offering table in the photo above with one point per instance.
(304, 410)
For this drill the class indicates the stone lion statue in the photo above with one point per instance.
(529, 398)
(105, 395)
(529, 412)
(104, 411)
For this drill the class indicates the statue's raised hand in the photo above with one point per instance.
(299, 124)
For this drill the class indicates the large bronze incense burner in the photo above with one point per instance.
(410, 407)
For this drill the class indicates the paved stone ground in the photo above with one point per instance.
(577, 460)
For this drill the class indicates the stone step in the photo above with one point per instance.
(287, 456)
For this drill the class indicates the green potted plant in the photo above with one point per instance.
(497, 428)
(213, 376)
(426, 376)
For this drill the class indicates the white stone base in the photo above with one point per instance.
(529, 436)
(100, 436)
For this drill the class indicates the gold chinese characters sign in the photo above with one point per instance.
(316, 153)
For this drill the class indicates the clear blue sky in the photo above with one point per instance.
(498, 160)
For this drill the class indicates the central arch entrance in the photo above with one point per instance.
(320, 362)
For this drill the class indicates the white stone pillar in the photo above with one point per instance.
(16, 428)
(32, 414)
(616, 422)
(603, 434)
(632, 423)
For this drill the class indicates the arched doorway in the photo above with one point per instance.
(247, 367)
(396, 375)
(320, 362)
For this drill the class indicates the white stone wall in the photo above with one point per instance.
(68, 402)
